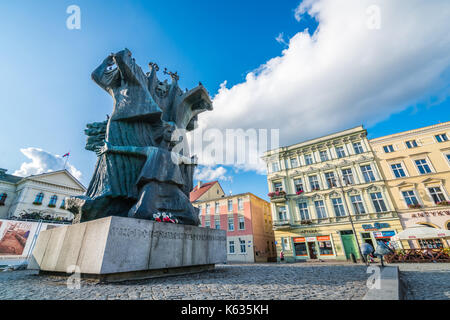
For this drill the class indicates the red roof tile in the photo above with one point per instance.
(197, 193)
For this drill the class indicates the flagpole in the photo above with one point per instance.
(65, 162)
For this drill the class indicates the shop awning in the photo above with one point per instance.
(418, 231)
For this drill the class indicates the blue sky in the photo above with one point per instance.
(48, 96)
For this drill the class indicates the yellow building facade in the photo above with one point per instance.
(328, 196)
(416, 167)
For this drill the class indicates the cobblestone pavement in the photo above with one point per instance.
(240, 281)
(425, 281)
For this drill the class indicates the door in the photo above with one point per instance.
(349, 243)
(312, 250)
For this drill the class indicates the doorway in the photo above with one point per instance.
(348, 240)
(312, 250)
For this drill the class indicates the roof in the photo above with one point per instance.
(8, 177)
(56, 172)
(197, 193)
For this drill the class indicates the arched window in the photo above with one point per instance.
(3, 197)
(39, 198)
(448, 225)
(53, 200)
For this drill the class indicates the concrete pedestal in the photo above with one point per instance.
(116, 248)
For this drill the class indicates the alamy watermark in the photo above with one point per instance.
(73, 22)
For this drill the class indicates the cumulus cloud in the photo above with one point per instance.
(209, 173)
(42, 162)
(366, 60)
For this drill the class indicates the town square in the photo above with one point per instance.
(246, 151)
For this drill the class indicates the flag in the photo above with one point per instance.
(66, 155)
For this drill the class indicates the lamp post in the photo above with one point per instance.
(341, 185)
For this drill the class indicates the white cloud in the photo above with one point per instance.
(280, 39)
(42, 162)
(208, 173)
(346, 73)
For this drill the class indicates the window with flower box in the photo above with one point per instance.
(277, 186)
(39, 198)
(411, 199)
(53, 200)
(298, 183)
(437, 195)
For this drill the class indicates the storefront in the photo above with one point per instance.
(315, 247)
(439, 219)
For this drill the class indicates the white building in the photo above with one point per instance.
(37, 196)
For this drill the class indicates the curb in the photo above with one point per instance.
(389, 286)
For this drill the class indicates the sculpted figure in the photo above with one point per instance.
(137, 174)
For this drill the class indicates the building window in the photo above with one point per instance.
(3, 197)
(304, 212)
(53, 200)
(323, 155)
(275, 167)
(217, 224)
(338, 207)
(277, 186)
(231, 247)
(410, 198)
(378, 202)
(423, 166)
(207, 224)
(357, 146)
(241, 223)
(308, 159)
(63, 204)
(357, 203)
(208, 208)
(242, 245)
(217, 207)
(348, 176)
(340, 152)
(447, 156)
(230, 205)
(314, 183)
(437, 194)
(282, 214)
(230, 224)
(331, 180)
(388, 149)
(39, 198)
(441, 137)
(325, 247)
(298, 183)
(367, 173)
(240, 204)
(411, 144)
(320, 209)
(398, 170)
(294, 163)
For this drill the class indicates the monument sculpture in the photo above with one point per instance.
(136, 219)
(137, 174)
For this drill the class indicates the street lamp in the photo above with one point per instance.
(341, 185)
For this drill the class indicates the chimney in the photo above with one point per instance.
(199, 184)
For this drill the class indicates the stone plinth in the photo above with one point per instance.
(116, 248)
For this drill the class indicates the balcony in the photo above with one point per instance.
(281, 224)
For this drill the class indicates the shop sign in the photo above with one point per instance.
(431, 213)
(310, 239)
(376, 226)
(323, 238)
(384, 234)
(298, 239)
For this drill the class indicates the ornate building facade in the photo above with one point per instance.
(38, 196)
(416, 167)
(319, 187)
